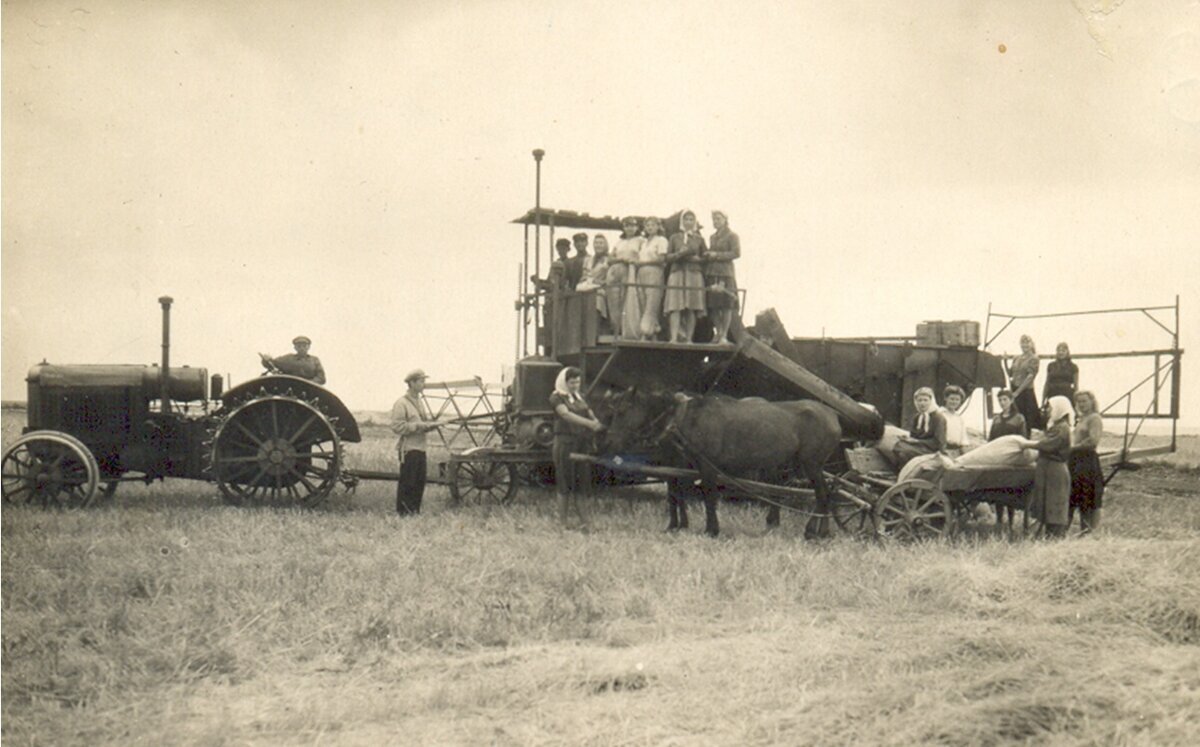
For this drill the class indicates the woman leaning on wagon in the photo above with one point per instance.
(684, 301)
(724, 246)
(1052, 481)
(1021, 374)
(624, 310)
(1087, 479)
(651, 267)
(1007, 422)
(928, 433)
(573, 425)
(1062, 375)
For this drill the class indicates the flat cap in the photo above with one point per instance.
(299, 339)
(415, 374)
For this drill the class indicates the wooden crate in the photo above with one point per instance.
(959, 333)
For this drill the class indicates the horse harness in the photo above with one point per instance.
(674, 435)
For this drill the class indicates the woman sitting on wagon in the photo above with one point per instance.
(956, 430)
(928, 433)
(684, 301)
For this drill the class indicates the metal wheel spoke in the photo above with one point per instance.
(311, 419)
(257, 441)
(300, 476)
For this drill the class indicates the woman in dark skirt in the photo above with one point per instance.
(1087, 479)
(1062, 375)
(1052, 482)
(724, 247)
(573, 425)
(1021, 374)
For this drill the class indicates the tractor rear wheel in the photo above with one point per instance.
(276, 450)
(49, 469)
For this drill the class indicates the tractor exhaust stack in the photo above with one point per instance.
(164, 379)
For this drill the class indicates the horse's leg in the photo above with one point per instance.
(772, 511)
(672, 505)
(711, 527)
(818, 526)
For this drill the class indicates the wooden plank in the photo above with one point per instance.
(654, 470)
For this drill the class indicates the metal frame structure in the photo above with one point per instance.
(1166, 367)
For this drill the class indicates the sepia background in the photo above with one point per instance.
(349, 171)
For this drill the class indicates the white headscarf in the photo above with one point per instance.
(1060, 407)
(560, 387)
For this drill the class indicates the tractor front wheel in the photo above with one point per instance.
(49, 469)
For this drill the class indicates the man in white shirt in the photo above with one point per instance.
(411, 420)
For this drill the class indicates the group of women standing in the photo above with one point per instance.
(647, 275)
(1068, 476)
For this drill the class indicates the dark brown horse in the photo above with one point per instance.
(747, 438)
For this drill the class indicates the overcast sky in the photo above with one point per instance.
(348, 170)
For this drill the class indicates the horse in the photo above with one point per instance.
(744, 438)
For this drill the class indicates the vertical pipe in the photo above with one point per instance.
(520, 313)
(163, 374)
(524, 297)
(1175, 373)
(537, 239)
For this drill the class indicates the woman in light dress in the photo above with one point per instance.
(622, 299)
(651, 267)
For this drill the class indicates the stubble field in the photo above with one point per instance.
(164, 617)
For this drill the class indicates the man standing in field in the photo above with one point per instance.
(411, 420)
(299, 363)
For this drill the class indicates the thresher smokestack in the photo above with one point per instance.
(163, 374)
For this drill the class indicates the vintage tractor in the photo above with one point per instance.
(272, 440)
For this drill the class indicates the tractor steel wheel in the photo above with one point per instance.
(914, 510)
(483, 482)
(276, 450)
(49, 469)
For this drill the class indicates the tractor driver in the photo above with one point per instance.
(299, 363)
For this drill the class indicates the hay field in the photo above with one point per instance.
(167, 618)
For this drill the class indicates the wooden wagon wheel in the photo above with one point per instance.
(856, 518)
(49, 469)
(276, 450)
(914, 510)
(483, 481)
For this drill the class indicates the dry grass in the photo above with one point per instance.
(166, 618)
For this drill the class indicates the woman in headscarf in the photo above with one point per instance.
(1052, 481)
(1087, 479)
(724, 246)
(1062, 375)
(928, 433)
(1021, 373)
(651, 267)
(624, 306)
(684, 301)
(574, 423)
